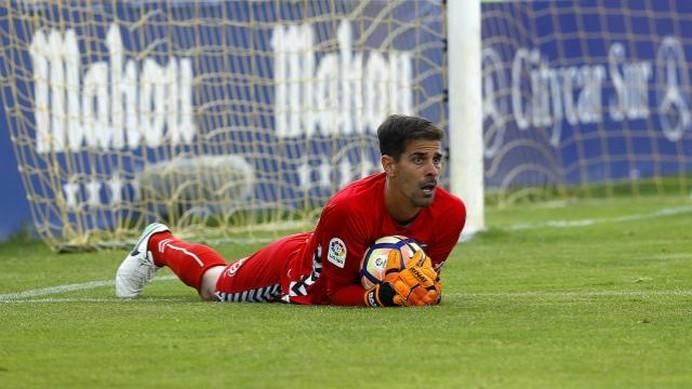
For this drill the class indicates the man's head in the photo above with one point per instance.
(411, 149)
(397, 131)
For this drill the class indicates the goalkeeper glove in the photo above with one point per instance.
(413, 285)
(417, 285)
(383, 295)
(438, 286)
(422, 260)
(425, 262)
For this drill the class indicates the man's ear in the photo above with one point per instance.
(388, 165)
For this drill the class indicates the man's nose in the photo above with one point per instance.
(432, 169)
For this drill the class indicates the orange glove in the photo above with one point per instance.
(438, 286)
(385, 293)
(421, 260)
(414, 285)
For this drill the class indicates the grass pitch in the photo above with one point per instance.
(591, 294)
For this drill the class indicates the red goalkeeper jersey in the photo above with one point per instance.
(326, 270)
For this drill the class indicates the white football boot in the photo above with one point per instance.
(138, 267)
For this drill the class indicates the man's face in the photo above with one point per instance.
(417, 171)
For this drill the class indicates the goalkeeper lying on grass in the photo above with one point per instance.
(322, 266)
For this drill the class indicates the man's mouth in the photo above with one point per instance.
(428, 188)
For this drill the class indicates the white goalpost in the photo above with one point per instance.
(465, 129)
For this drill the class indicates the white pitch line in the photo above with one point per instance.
(663, 257)
(461, 295)
(99, 300)
(584, 294)
(469, 233)
(64, 289)
(589, 222)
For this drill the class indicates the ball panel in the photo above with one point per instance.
(374, 261)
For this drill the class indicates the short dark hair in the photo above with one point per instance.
(397, 131)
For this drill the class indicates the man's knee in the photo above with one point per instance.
(207, 290)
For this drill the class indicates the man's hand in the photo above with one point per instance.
(383, 295)
(438, 286)
(417, 284)
(422, 260)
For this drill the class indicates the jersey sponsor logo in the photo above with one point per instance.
(337, 252)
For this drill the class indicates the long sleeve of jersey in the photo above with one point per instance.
(343, 241)
(447, 236)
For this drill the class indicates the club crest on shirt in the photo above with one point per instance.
(337, 252)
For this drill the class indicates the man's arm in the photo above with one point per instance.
(447, 232)
(344, 238)
(346, 295)
(414, 285)
(344, 241)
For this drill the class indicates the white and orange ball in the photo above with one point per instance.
(374, 262)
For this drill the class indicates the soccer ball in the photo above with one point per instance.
(374, 262)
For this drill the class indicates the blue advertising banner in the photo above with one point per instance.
(588, 91)
(14, 206)
(141, 110)
(130, 110)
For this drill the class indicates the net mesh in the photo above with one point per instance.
(223, 119)
(234, 119)
(586, 98)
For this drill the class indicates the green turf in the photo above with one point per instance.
(559, 295)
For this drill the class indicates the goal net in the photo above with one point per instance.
(223, 119)
(237, 119)
(588, 98)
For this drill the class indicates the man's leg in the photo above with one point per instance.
(156, 248)
(189, 261)
(261, 277)
(207, 290)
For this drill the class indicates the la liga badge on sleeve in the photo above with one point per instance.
(337, 252)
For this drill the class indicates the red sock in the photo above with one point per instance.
(189, 261)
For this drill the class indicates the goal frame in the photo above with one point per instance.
(465, 109)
